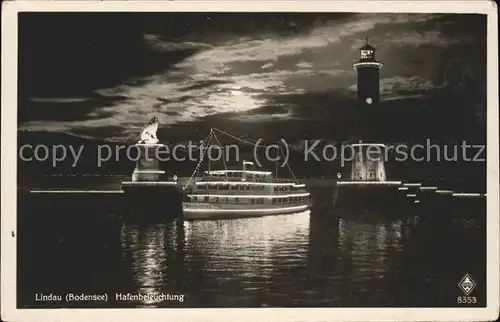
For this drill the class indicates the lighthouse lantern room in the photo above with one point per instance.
(368, 76)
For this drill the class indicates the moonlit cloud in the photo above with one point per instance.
(408, 84)
(157, 43)
(304, 65)
(268, 65)
(58, 100)
(417, 38)
(264, 117)
(399, 87)
(239, 76)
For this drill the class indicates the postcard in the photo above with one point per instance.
(250, 160)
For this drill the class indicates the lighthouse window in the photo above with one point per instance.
(365, 54)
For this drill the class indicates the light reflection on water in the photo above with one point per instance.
(247, 247)
(369, 246)
(324, 258)
(148, 258)
(148, 249)
(268, 261)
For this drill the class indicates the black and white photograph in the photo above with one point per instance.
(284, 160)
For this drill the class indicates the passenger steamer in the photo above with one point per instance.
(243, 193)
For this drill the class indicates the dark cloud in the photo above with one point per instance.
(103, 75)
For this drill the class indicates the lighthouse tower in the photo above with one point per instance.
(368, 76)
(367, 189)
(368, 163)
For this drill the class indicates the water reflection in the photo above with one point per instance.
(369, 246)
(149, 252)
(268, 261)
(237, 260)
(250, 243)
(291, 260)
(324, 258)
(214, 261)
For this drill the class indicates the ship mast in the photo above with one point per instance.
(209, 145)
(277, 167)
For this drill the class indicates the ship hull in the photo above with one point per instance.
(205, 211)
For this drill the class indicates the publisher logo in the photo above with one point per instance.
(467, 284)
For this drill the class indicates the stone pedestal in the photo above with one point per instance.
(148, 164)
(150, 195)
(369, 198)
(367, 190)
(369, 162)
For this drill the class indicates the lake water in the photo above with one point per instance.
(321, 258)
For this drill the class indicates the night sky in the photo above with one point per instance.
(104, 75)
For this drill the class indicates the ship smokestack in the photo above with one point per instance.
(248, 165)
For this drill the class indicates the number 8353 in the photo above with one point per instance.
(466, 299)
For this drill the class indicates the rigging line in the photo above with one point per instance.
(277, 167)
(264, 146)
(290, 169)
(241, 140)
(254, 143)
(209, 137)
(197, 169)
(195, 172)
(209, 147)
(223, 156)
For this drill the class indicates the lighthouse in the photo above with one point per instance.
(366, 186)
(368, 163)
(368, 69)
